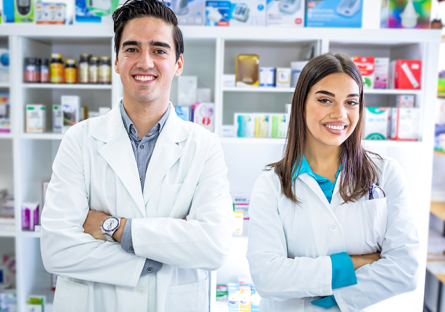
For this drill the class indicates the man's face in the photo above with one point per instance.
(147, 60)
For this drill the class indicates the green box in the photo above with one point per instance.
(24, 11)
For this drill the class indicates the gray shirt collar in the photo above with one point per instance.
(128, 124)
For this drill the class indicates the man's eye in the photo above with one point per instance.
(131, 50)
(160, 51)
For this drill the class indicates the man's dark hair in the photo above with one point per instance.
(132, 9)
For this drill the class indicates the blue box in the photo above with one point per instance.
(334, 13)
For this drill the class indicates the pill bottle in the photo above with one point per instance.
(83, 69)
(70, 71)
(104, 72)
(92, 68)
(44, 70)
(30, 73)
(56, 68)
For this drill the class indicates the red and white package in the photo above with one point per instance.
(406, 74)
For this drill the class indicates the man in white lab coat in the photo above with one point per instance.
(138, 208)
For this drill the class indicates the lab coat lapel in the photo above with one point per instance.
(166, 152)
(313, 185)
(118, 153)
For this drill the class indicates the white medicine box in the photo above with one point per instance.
(35, 118)
(376, 123)
(70, 110)
(405, 124)
(287, 13)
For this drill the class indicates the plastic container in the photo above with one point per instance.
(104, 70)
(56, 68)
(31, 70)
(70, 71)
(83, 69)
(44, 70)
(92, 69)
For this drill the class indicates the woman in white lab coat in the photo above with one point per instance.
(331, 226)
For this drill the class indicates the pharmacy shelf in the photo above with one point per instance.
(253, 141)
(440, 277)
(66, 86)
(7, 234)
(6, 135)
(366, 143)
(438, 209)
(30, 234)
(439, 153)
(41, 136)
(292, 90)
(4, 84)
(392, 143)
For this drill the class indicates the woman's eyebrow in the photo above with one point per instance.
(326, 93)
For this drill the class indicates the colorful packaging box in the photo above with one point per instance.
(4, 65)
(381, 72)
(204, 115)
(255, 300)
(334, 13)
(288, 13)
(262, 125)
(283, 77)
(441, 83)
(405, 74)
(30, 215)
(405, 14)
(57, 118)
(188, 12)
(234, 297)
(4, 105)
(245, 302)
(183, 112)
(70, 109)
(405, 124)
(236, 13)
(35, 118)
(247, 70)
(405, 101)
(95, 11)
(279, 125)
(296, 68)
(245, 125)
(221, 292)
(50, 13)
(367, 68)
(23, 11)
(376, 123)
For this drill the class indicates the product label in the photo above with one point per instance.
(71, 75)
(56, 72)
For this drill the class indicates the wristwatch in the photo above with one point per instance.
(109, 227)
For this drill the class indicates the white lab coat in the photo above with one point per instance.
(95, 169)
(290, 245)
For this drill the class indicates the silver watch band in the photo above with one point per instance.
(109, 234)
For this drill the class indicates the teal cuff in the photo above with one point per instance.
(326, 302)
(343, 272)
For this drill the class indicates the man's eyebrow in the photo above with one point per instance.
(326, 92)
(160, 44)
(131, 43)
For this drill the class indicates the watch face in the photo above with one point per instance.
(110, 224)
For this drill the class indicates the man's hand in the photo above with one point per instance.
(93, 224)
(362, 260)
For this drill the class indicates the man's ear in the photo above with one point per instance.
(179, 66)
(116, 65)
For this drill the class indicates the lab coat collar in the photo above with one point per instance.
(118, 152)
(313, 185)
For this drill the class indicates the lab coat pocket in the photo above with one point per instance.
(169, 193)
(375, 218)
(71, 296)
(188, 297)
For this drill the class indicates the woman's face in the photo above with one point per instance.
(332, 109)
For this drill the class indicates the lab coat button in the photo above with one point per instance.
(333, 228)
(141, 291)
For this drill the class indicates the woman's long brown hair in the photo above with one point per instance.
(357, 168)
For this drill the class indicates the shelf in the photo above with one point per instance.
(430, 266)
(66, 86)
(253, 141)
(41, 136)
(4, 85)
(438, 209)
(30, 234)
(7, 234)
(6, 135)
(391, 143)
(366, 143)
(291, 90)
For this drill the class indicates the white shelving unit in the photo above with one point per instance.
(209, 53)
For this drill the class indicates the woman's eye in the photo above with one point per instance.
(324, 101)
(352, 103)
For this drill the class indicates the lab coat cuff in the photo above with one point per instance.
(151, 267)
(343, 272)
(127, 240)
(326, 302)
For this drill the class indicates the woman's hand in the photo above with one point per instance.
(362, 260)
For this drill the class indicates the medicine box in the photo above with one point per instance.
(23, 11)
(296, 68)
(288, 13)
(57, 118)
(4, 65)
(367, 68)
(247, 70)
(35, 118)
(334, 13)
(405, 14)
(279, 125)
(30, 215)
(237, 13)
(405, 124)
(405, 101)
(405, 74)
(183, 112)
(188, 12)
(381, 71)
(267, 77)
(376, 123)
(244, 125)
(245, 302)
(204, 115)
(262, 125)
(70, 109)
(95, 11)
(283, 77)
(187, 86)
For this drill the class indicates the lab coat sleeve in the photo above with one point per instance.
(66, 249)
(274, 274)
(396, 272)
(203, 241)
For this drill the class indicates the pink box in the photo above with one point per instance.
(30, 215)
